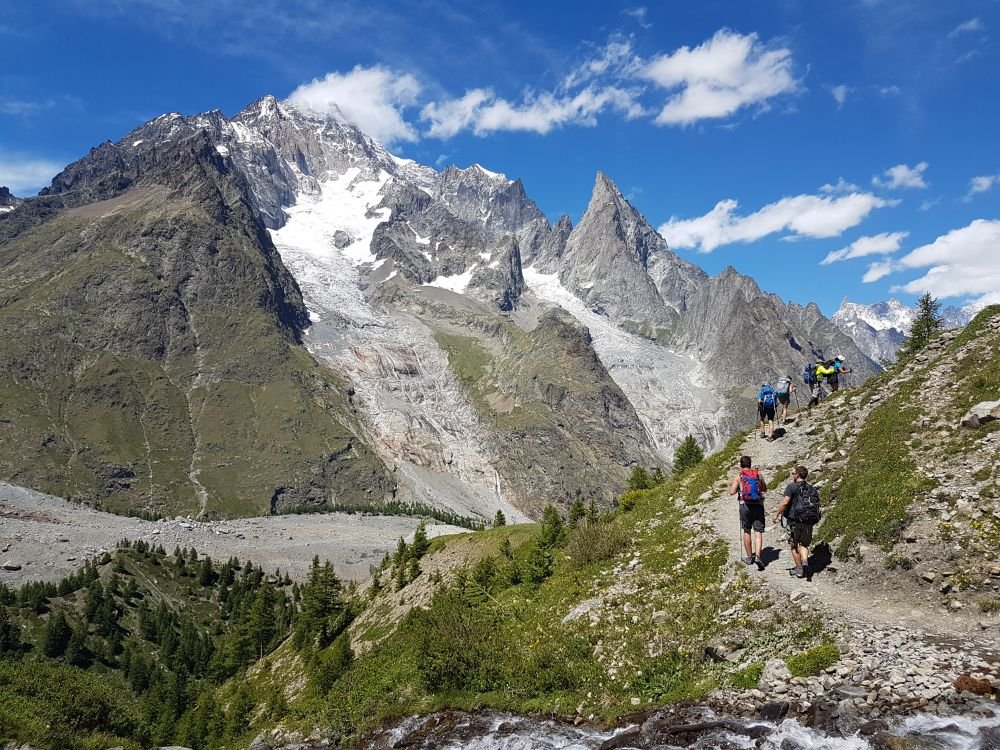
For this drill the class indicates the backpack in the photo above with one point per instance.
(767, 396)
(783, 385)
(809, 374)
(805, 509)
(750, 486)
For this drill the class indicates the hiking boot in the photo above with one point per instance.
(796, 572)
(748, 559)
(762, 434)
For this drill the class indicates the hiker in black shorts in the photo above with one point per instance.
(800, 509)
(750, 486)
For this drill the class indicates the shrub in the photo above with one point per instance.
(894, 561)
(989, 605)
(810, 663)
(747, 679)
(688, 454)
(594, 542)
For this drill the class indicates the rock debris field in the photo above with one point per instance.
(42, 538)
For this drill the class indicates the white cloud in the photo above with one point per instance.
(890, 90)
(885, 243)
(981, 184)
(483, 112)
(718, 77)
(962, 263)
(878, 271)
(966, 27)
(927, 205)
(902, 176)
(639, 15)
(815, 216)
(839, 187)
(371, 98)
(26, 174)
(840, 93)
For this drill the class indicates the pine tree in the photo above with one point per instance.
(57, 635)
(420, 541)
(552, 528)
(10, 635)
(640, 479)
(688, 454)
(925, 325)
(577, 512)
(499, 519)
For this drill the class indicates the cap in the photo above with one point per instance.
(839, 357)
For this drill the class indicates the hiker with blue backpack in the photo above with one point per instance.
(750, 486)
(813, 376)
(799, 513)
(767, 403)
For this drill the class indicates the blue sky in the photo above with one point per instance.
(767, 135)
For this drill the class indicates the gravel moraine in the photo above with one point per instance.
(42, 538)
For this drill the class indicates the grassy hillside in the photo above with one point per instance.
(564, 429)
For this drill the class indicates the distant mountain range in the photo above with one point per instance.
(231, 316)
(880, 329)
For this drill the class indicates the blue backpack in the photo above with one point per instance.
(809, 374)
(767, 396)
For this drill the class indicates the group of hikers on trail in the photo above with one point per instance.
(770, 397)
(798, 512)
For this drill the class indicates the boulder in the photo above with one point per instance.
(969, 684)
(981, 413)
(775, 673)
(11, 566)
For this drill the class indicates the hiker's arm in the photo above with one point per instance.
(734, 486)
(763, 484)
(781, 507)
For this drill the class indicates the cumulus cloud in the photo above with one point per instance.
(878, 270)
(981, 184)
(24, 174)
(839, 187)
(902, 176)
(816, 216)
(481, 111)
(885, 243)
(639, 14)
(840, 93)
(962, 263)
(371, 98)
(718, 77)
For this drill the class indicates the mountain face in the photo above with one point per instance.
(286, 314)
(880, 329)
(8, 202)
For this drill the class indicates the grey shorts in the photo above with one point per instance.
(799, 534)
(752, 516)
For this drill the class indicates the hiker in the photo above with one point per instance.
(750, 486)
(800, 509)
(767, 402)
(784, 388)
(818, 372)
(839, 368)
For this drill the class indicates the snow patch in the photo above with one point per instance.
(136, 143)
(457, 283)
(488, 173)
(222, 151)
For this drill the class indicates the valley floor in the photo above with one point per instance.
(49, 537)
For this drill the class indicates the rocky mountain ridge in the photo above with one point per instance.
(879, 329)
(8, 202)
(421, 290)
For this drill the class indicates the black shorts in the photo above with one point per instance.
(752, 516)
(799, 534)
(766, 413)
(784, 399)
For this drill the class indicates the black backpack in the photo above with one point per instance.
(805, 509)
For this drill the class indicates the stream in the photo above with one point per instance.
(696, 728)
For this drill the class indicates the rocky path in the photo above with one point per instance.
(899, 651)
(843, 588)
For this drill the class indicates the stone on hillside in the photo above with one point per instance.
(981, 413)
(775, 673)
(11, 566)
(969, 684)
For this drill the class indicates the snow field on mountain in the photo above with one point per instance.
(662, 386)
(414, 409)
